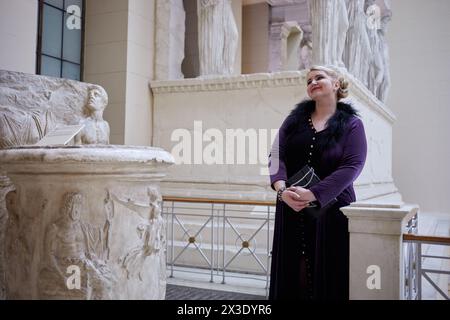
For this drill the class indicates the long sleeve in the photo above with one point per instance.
(277, 166)
(351, 165)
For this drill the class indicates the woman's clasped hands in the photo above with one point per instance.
(297, 198)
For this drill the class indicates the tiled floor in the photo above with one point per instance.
(174, 292)
(438, 225)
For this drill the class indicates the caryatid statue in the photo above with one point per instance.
(217, 37)
(329, 30)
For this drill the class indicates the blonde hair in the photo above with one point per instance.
(342, 92)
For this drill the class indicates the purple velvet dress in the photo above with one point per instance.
(310, 253)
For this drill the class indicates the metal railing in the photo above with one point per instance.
(410, 262)
(414, 262)
(213, 229)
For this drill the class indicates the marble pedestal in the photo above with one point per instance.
(84, 223)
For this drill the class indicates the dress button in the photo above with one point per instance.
(312, 146)
(314, 138)
(310, 153)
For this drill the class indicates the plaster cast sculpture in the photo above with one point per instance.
(64, 217)
(383, 89)
(357, 50)
(150, 233)
(217, 36)
(305, 54)
(96, 130)
(32, 106)
(6, 187)
(19, 127)
(329, 29)
(70, 242)
(376, 67)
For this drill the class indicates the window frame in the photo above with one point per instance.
(40, 54)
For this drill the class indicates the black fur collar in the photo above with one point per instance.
(335, 126)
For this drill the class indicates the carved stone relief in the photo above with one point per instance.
(357, 51)
(71, 241)
(6, 187)
(31, 106)
(150, 232)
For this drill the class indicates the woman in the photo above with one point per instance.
(310, 252)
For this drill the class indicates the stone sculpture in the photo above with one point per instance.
(6, 187)
(217, 36)
(383, 88)
(376, 66)
(27, 115)
(72, 242)
(305, 54)
(329, 29)
(357, 50)
(96, 130)
(150, 233)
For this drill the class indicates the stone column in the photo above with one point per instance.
(85, 223)
(169, 42)
(376, 250)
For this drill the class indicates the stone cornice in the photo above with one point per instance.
(266, 80)
(220, 83)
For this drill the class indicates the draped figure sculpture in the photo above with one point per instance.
(357, 50)
(329, 29)
(217, 37)
(19, 127)
(383, 89)
(376, 64)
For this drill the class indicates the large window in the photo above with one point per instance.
(60, 38)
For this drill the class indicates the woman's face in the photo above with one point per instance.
(319, 84)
